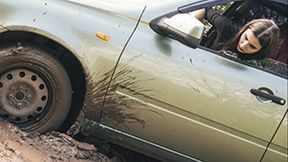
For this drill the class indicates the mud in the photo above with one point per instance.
(18, 146)
(115, 105)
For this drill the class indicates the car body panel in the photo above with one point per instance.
(192, 101)
(129, 8)
(77, 34)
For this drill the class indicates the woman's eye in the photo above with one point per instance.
(253, 47)
(245, 36)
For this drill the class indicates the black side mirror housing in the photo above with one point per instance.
(179, 26)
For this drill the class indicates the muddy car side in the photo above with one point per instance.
(178, 102)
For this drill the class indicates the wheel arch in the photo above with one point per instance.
(71, 63)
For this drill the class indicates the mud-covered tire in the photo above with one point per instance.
(35, 89)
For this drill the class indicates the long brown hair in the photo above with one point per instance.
(267, 33)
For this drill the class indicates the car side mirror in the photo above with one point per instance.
(182, 27)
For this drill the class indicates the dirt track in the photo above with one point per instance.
(18, 146)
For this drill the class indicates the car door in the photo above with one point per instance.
(198, 102)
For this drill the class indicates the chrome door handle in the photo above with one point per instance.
(273, 98)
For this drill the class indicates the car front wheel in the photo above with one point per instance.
(35, 90)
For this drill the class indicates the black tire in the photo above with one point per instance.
(35, 89)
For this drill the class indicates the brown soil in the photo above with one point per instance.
(18, 146)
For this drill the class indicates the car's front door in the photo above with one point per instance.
(199, 103)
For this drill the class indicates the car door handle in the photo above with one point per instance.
(273, 98)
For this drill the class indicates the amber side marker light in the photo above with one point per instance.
(103, 36)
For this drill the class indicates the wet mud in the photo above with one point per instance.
(115, 105)
(18, 146)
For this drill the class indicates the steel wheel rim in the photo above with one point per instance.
(24, 95)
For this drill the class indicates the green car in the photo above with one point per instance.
(133, 71)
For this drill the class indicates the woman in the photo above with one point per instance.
(254, 40)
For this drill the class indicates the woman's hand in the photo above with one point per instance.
(199, 14)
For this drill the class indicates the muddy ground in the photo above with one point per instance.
(18, 146)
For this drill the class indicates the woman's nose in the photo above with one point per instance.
(244, 44)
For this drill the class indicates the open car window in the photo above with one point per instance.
(239, 12)
(243, 12)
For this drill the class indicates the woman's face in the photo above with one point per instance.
(248, 43)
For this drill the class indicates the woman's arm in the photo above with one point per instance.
(199, 14)
(220, 22)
